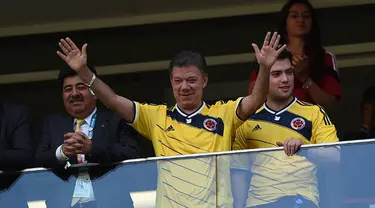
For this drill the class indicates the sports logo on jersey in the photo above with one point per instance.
(298, 123)
(256, 128)
(170, 128)
(210, 124)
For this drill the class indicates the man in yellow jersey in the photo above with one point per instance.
(189, 127)
(277, 178)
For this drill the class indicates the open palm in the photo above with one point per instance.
(75, 58)
(267, 56)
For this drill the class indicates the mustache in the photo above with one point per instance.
(75, 98)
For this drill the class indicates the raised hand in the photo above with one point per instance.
(74, 57)
(267, 55)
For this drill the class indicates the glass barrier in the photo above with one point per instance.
(340, 175)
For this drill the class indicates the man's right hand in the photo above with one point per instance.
(73, 144)
(75, 58)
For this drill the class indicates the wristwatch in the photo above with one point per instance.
(91, 82)
(307, 84)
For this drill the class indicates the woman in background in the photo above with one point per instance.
(317, 79)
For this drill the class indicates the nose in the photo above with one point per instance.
(185, 86)
(75, 92)
(301, 18)
(284, 78)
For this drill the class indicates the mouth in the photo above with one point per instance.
(186, 95)
(74, 102)
(285, 88)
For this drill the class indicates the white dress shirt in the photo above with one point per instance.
(84, 128)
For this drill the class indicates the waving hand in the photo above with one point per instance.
(269, 52)
(74, 57)
(266, 57)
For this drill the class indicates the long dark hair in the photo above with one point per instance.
(313, 45)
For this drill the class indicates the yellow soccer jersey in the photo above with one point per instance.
(274, 174)
(190, 182)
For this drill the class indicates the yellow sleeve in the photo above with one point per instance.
(242, 160)
(323, 131)
(230, 114)
(240, 139)
(145, 118)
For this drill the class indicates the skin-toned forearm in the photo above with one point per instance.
(104, 93)
(320, 97)
(258, 96)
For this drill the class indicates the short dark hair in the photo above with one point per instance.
(188, 58)
(68, 72)
(368, 97)
(285, 55)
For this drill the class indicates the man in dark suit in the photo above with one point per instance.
(16, 151)
(367, 130)
(86, 135)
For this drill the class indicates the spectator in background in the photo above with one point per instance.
(16, 147)
(16, 151)
(85, 134)
(317, 79)
(367, 110)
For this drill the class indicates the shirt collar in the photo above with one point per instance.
(192, 114)
(89, 117)
(282, 110)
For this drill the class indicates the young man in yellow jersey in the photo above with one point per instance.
(281, 179)
(189, 127)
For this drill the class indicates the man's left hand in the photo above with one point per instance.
(267, 55)
(291, 146)
(87, 143)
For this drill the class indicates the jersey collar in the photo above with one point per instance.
(280, 111)
(192, 114)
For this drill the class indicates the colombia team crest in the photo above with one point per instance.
(298, 123)
(210, 124)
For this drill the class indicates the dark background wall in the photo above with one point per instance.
(146, 43)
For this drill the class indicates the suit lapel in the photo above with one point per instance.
(67, 125)
(100, 124)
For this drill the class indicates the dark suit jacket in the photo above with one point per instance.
(113, 140)
(16, 149)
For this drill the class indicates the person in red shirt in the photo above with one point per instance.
(317, 80)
